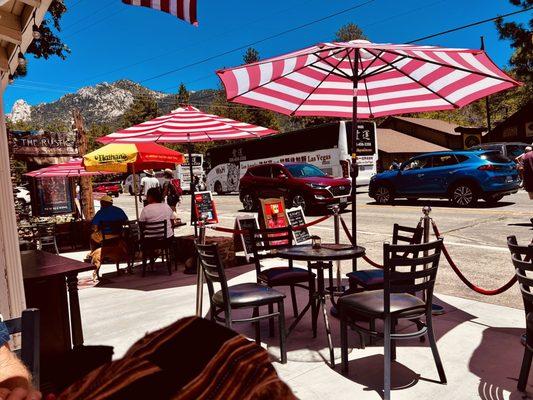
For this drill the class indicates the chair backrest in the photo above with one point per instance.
(522, 258)
(406, 234)
(134, 230)
(213, 268)
(45, 232)
(410, 268)
(521, 252)
(153, 230)
(265, 242)
(111, 231)
(28, 326)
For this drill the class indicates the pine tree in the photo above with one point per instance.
(349, 32)
(183, 95)
(143, 108)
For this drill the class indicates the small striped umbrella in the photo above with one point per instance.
(359, 79)
(71, 169)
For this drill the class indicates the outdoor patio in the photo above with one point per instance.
(479, 343)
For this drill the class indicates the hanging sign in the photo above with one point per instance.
(296, 218)
(204, 207)
(246, 223)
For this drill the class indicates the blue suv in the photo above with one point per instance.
(461, 176)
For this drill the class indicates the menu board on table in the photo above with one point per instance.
(247, 223)
(272, 215)
(204, 207)
(296, 218)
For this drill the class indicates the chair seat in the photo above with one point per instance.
(403, 305)
(368, 278)
(249, 295)
(280, 276)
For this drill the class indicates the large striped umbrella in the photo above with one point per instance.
(359, 79)
(187, 125)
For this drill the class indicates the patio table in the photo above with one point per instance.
(319, 259)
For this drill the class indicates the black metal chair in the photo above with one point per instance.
(244, 295)
(405, 272)
(372, 279)
(45, 235)
(522, 257)
(154, 242)
(264, 245)
(28, 326)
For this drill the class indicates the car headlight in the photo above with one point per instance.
(317, 186)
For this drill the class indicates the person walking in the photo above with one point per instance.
(148, 182)
(171, 189)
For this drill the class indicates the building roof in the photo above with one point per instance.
(392, 141)
(436, 124)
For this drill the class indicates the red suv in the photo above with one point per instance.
(300, 184)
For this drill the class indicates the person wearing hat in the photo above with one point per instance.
(147, 182)
(117, 251)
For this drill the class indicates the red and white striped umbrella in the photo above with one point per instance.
(388, 79)
(359, 79)
(187, 125)
(183, 9)
(71, 169)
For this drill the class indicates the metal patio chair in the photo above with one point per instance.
(408, 269)
(241, 296)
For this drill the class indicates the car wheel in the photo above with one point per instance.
(298, 200)
(383, 195)
(218, 188)
(463, 195)
(248, 202)
(493, 199)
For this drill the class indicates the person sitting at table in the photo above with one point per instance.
(156, 210)
(118, 250)
(15, 379)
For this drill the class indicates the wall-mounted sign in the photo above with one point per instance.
(36, 144)
(53, 197)
(366, 138)
(204, 207)
(471, 139)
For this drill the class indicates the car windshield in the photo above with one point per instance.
(304, 170)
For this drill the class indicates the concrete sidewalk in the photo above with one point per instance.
(479, 343)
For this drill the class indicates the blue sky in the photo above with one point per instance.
(112, 41)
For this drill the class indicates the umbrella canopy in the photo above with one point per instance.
(386, 79)
(359, 79)
(121, 157)
(71, 169)
(187, 125)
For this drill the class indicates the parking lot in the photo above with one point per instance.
(475, 237)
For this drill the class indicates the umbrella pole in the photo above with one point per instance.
(355, 167)
(191, 189)
(135, 192)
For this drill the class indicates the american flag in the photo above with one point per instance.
(183, 9)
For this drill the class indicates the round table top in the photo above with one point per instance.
(327, 252)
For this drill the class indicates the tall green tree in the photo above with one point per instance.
(348, 32)
(142, 109)
(251, 56)
(521, 37)
(183, 95)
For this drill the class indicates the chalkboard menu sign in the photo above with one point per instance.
(204, 206)
(247, 223)
(296, 218)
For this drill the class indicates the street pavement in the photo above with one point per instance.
(475, 237)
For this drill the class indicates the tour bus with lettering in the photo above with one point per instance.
(326, 146)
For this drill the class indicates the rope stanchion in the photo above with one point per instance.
(350, 239)
(475, 288)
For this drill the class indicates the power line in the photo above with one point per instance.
(471, 25)
(91, 15)
(95, 23)
(257, 41)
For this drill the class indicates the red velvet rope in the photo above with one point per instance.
(350, 238)
(475, 288)
(244, 231)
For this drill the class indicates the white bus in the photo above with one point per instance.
(326, 146)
